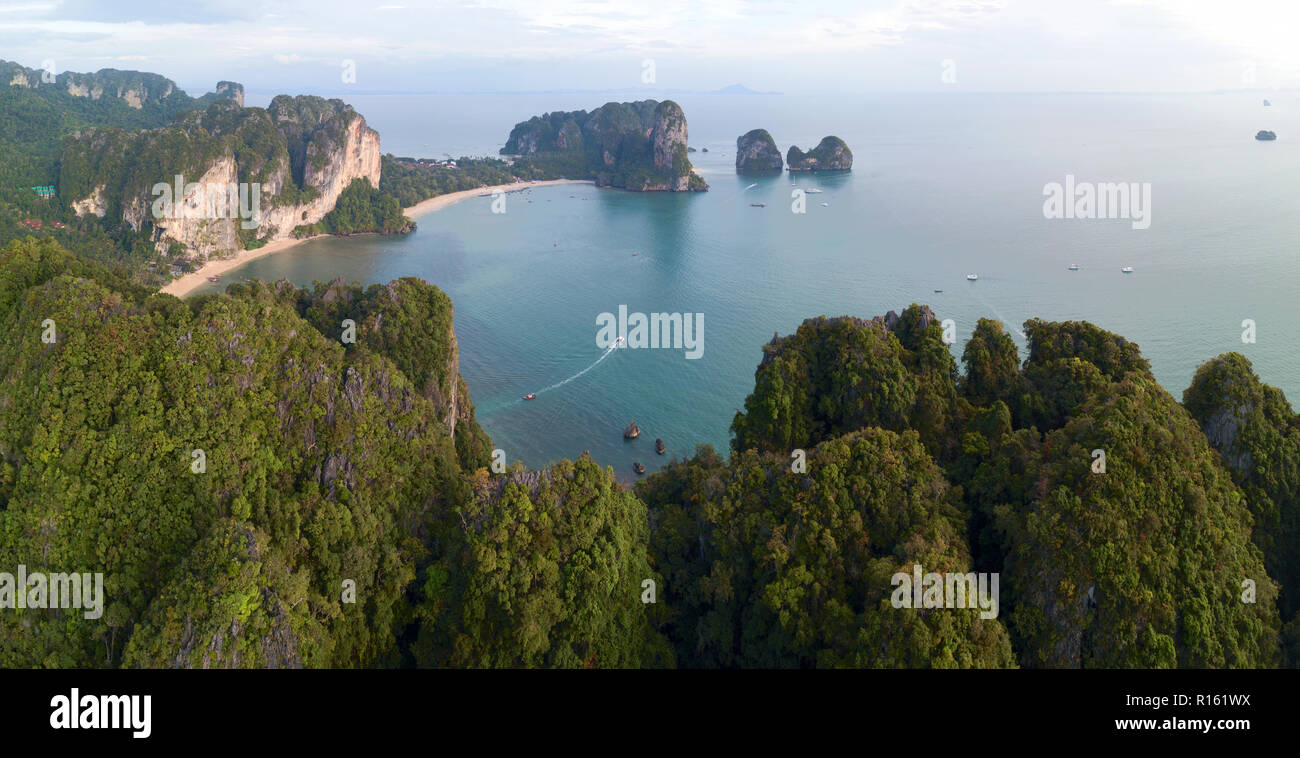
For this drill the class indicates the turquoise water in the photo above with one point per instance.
(942, 186)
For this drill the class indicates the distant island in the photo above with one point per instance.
(831, 154)
(740, 89)
(637, 146)
(1265, 135)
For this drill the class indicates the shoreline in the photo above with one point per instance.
(184, 285)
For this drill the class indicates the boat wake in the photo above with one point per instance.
(1002, 318)
(602, 357)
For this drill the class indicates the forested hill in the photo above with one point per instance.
(39, 108)
(1122, 535)
(261, 489)
(322, 464)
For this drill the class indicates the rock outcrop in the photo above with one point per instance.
(756, 153)
(831, 154)
(637, 146)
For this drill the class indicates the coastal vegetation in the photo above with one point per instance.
(279, 476)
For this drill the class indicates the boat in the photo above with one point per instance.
(1074, 267)
(826, 205)
(972, 277)
(659, 446)
(1127, 269)
(530, 396)
(758, 205)
(632, 431)
(638, 468)
(813, 191)
(752, 186)
(937, 291)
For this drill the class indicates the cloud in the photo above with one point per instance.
(769, 44)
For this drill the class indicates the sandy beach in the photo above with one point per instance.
(451, 198)
(189, 282)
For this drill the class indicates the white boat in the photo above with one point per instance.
(972, 277)
(826, 205)
(1074, 267)
(812, 191)
(752, 186)
(1127, 269)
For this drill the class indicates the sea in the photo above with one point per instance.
(943, 185)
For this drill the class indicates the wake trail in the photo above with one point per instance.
(602, 357)
(1001, 318)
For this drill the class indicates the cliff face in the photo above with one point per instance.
(831, 154)
(756, 153)
(300, 152)
(638, 146)
(328, 148)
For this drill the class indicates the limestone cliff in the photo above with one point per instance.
(756, 153)
(248, 174)
(139, 90)
(831, 154)
(638, 146)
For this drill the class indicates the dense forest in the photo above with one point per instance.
(276, 476)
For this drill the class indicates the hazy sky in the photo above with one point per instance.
(803, 46)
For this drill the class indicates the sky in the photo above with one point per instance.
(804, 46)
